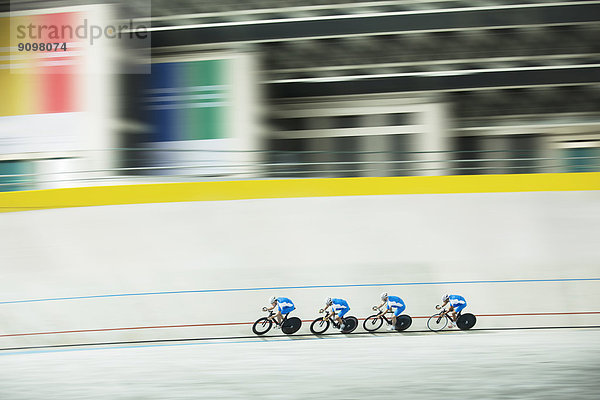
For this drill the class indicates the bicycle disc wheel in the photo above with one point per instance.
(319, 326)
(291, 325)
(372, 323)
(466, 321)
(262, 326)
(437, 322)
(350, 324)
(403, 322)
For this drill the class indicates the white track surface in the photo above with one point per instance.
(506, 364)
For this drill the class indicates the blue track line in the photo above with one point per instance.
(297, 287)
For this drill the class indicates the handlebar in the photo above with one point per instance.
(328, 313)
(382, 312)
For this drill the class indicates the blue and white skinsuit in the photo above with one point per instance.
(340, 307)
(285, 305)
(457, 302)
(396, 304)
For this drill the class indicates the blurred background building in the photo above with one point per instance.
(266, 89)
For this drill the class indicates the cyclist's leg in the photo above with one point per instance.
(280, 316)
(277, 318)
(338, 319)
(333, 317)
(452, 313)
(388, 309)
(458, 309)
(397, 312)
(340, 316)
(285, 311)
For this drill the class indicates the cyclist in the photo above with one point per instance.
(284, 306)
(457, 304)
(395, 304)
(339, 307)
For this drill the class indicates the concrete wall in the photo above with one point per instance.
(254, 244)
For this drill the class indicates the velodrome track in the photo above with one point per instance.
(132, 300)
(111, 307)
(482, 364)
(272, 336)
(242, 331)
(204, 269)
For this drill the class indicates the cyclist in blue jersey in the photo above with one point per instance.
(284, 307)
(457, 304)
(394, 304)
(340, 307)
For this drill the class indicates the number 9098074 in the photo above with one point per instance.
(42, 46)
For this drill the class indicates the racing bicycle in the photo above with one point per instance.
(440, 320)
(288, 325)
(374, 322)
(321, 324)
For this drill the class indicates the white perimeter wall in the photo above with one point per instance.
(294, 242)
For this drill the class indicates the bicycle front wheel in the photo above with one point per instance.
(262, 326)
(319, 326)
(437, 322)
(372, 323)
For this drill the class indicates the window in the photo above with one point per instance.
(523, 150)
(466, 153)
(289, 152)
(401, 119)
(345, 154)
(582, 159)
(11, 175)
(400, 150)
(291, 124)
(346, 121)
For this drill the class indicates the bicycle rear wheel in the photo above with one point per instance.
(319, 326)
(466, 321)
(262, 326)
(437, 322)
(372, 323)
(350, 324)
(403, 322)
(291, 325)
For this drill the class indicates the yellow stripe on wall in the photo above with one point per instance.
(18, 83)
(287, 188)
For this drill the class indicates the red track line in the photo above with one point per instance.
(125, 329)
(544, 313)
(250, 323)
(525, 314)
